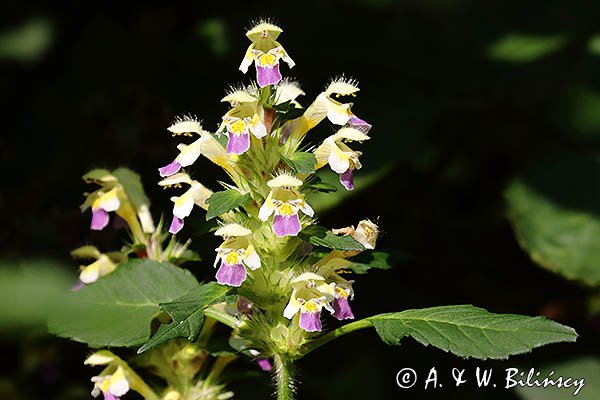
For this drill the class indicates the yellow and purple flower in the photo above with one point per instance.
(243, 118)
(265, 52)
(236, 253)
(104, 203)
(112, 382)
(341, 158)
(310, 295)
(325, 105)
(284, 201)
(196, 194)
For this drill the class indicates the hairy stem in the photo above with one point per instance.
(341, 331)
(222, 317)
(284, 378)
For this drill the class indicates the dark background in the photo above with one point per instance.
(456, 115)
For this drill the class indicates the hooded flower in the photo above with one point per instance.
(99, 268)
(236, 253)
(243, 118)
(183, 205)
(112, 382)
(288, 91)
(341, 158)
(366, 233)
(265, 52)
(120, 192)
(284, 201)
(205, 145)
(309, 296)
(338, 113)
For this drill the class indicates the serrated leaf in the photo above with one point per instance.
(132, 184)
(225, 201)
(383, 260)
(469, 331)
(187, 313)
(117, 310)
(321, 236)
(555, 211)
(301, 162)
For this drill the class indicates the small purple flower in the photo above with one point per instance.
(238, 143)
(286, 225)
(231, 272)
(310, 321)
(100, 219)
(176, 225)
(268, 75)
(347, 179)
(359, 124)
(170, 169)
(264, 364)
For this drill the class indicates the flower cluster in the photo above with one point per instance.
(258, 144)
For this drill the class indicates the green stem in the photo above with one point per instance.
(222, 317)
(341, 331)
(284, 378)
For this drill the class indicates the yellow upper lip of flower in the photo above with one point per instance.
(262, 28)
(232, 230)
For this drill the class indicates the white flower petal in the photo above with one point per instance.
(232, 230)
(338, 160)
(338, 114)
(118, 384)
(110, 201)
(251, 258)
(183, 204)
(189, 153)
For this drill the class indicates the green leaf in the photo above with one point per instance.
(301, 162)
(555, 212)
(132, 184)
(587, 368)
(225, 201)
(321, 236)
(187, 313)
(383, 260)
(469, 331)
(526, 48)
(29, 291)
(117, 310)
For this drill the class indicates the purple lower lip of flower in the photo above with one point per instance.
(238, 144)
(231, 275)
(77, 286)
(286, 225)
(347, 179)
(99, 219)
(341, 308)
(110, 396)
(360, 124)
(310, 321)
(169, 169)
(264, 364)
(268, 76)
(176, 225)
